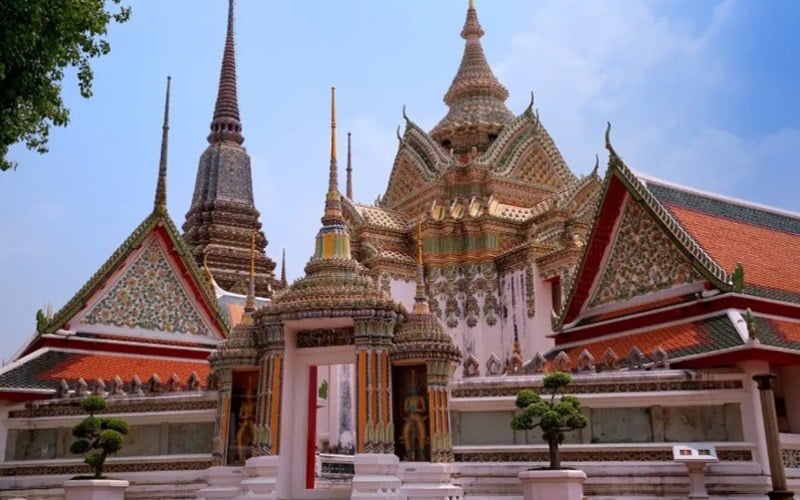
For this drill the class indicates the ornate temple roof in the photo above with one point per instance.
(335, 284)
(476, 98)
(421, 335)
(222, 215)
(157, 225)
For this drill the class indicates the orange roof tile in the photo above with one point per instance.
(769, 256)
(647, 306)
(104, 366)
(677, 340)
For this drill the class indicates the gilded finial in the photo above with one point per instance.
(333, 200)
(349, 189)
(333, 123)
(420, 298)
(472, 4)
(160, 205)
(419, 242)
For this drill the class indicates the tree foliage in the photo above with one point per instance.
(98, 437)
(554, 417)
(39, 39)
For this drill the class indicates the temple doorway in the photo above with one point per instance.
(315, 371)
(333, 428)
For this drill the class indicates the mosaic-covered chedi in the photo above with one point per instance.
(390, 368)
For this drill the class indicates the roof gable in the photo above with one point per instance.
(150, 286)
(147, 295)
(621, 184)
(642, 259)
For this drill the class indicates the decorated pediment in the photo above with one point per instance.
(643, 259)
(146, 295)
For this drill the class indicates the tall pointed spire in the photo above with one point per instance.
(420, 298)
(333, 240)
(349, 170)
(160, 203)
(283, 268)
(476, 98)
(333, 200)
(223, 215)
(226, 125)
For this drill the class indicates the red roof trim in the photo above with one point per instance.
(187, 276)
(599, 241)
(677, 313)
(90, 344)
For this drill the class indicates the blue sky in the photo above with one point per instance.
(701, 93)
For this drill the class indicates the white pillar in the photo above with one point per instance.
(752, 418)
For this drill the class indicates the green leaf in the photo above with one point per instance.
(80, 447)
(94, 404)
(110, 440)
(526, 397)
(116, 424)
(556, 380)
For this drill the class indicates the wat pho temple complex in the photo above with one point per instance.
(390, 368)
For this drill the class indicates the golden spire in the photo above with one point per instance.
(472, 4)
(349, 189)
(419, 243)
(333, 123)
(420, 298)
(160, 205)
(333, 200)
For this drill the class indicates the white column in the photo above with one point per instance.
(752, 419)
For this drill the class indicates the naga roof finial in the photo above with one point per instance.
(405, 116)
(160, 204)
(609, 147)
(349, 191)
(530, 104)
(226, 125)
(596, 164)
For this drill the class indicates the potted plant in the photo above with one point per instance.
(554, 414)
(97, 437)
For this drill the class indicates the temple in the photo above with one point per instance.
(390, 368)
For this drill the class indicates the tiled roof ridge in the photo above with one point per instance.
(644, 330)
(713, 270)
(727, 208)
(648, 179)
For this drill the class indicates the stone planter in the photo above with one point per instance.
(552, 484)
(95, 489)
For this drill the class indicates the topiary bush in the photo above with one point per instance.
(554, 417)
(98, 437)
